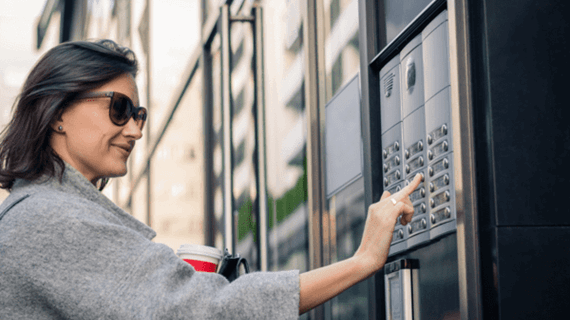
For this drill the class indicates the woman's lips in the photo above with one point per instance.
(124, 148)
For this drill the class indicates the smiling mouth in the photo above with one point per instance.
(127, 150)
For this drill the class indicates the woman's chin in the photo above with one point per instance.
(118, 172)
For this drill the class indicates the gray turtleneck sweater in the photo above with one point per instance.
(68, 252)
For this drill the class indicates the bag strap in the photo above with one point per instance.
(233, 266)
(10, 203)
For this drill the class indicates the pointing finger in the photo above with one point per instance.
(406, 191)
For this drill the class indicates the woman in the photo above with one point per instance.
(66, 251)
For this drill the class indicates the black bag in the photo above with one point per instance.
(233, 266)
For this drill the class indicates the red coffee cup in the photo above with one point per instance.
(202, 258)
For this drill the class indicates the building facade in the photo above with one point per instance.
(273, 125)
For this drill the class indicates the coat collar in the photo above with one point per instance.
(75, 183)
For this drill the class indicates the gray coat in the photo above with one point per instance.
(68, 252)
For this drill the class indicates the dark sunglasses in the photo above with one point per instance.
(121, 108)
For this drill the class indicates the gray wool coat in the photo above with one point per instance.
(68, 252)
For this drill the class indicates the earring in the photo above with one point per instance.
(60, 128)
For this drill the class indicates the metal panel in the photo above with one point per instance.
(464, 157)
(533, 277)
(343, 138)
(528, 110)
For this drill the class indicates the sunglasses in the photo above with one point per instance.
(121, 108)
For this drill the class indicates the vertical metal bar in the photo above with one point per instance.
(207, 111)
(464, 158)
(314, 97)
(317, 127)
(227, 126)
(260, 122)
(311, 98)
(370, 119)
(66, 23)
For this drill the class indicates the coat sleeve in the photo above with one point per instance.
(79, 263)
(176, 291)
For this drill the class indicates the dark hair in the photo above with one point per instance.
(64, 72)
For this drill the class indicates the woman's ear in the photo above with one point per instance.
(57, 123)
(57, 126)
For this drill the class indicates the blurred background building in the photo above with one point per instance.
(267, 136)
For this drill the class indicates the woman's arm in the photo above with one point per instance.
(320, 285)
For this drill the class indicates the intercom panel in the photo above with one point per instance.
(400, 234)
(438, 125)
(417, 132)
(391, 112)
(415, 162)
(441, 203)
(392, 161)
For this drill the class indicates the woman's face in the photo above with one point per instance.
(89, 141)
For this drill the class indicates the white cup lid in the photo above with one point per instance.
(200, 250)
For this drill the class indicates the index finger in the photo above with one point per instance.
(406, 191)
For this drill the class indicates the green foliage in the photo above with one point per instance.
(285, 206)
(291, 200)
(246, 221)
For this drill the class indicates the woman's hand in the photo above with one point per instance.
(319, 285)
(380, 224)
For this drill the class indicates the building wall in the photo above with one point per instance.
(17, 57)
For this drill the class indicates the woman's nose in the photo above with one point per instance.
(133, 129)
